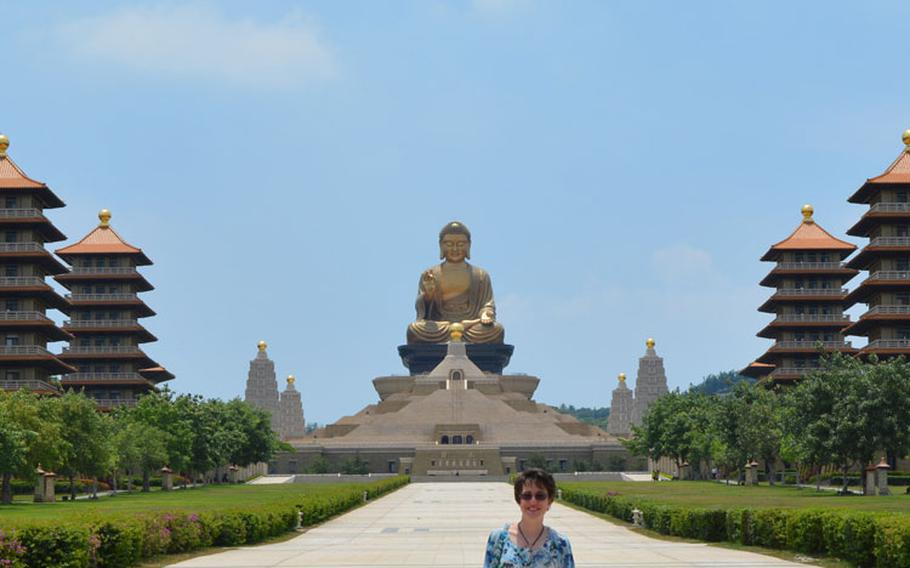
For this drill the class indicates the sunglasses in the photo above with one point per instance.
(527, 496)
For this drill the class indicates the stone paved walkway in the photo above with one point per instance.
(446, 525)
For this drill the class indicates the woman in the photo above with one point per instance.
(529, 542)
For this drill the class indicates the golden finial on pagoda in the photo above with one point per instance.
(263, 346)
(650, 343)
(456, 331)
(4, 144)
(905, 137)
(105, 216)
(807, 213)
(622, 378)
(291, 379)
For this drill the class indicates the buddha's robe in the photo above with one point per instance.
(434, 316)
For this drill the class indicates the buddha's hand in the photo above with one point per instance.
(428, 284)
(487, 317)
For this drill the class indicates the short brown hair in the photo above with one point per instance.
(537, 477)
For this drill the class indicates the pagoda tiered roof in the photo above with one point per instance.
(809, 236)
(104, 240)
(897, 174)
(12, 177)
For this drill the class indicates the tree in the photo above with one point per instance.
(747, 425)
(157, 412)
(830, 416)
(668, 428)
(30, 434)
(85, 433)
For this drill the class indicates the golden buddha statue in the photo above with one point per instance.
(455, 292)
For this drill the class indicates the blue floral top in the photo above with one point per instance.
(556, 552)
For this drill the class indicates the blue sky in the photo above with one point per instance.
(287, 165)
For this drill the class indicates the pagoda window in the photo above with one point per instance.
(11, 340)
(113, 262)
(443, 440)
(902, 298)
(469, 439)
(10, 202)
(811, 257)
(13, 375)
(84, 342)
(12, 305)
(903, 333)
(902, 264)
(86, 289)
(99, 342)
(902, 230)
(11, 236)
(456, 439)
(11, 270)
(99, 262)
(86, 263)
(824, 257)
(901, 197)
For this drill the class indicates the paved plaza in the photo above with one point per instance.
(446, 525)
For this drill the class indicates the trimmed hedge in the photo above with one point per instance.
(120, 541)
(865, 539)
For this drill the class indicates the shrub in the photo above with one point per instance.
(118, 541)
(862, 538)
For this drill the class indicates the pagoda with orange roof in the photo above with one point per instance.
(25, 297)
(808, 303)
(886, 291)
(105, 284)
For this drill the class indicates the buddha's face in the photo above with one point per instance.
(455, 248)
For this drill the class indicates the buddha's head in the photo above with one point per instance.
(455, 242)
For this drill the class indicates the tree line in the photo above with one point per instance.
(840, 416)
(187, 433)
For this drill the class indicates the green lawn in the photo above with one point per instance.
(202, 498)
(711, 494)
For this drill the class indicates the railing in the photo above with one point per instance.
(103, 377)
(810, 344)
(888, 310)
(101, 323)
(890, 208)
(33, 385)
(838, 318)
(21, 213)
(809, 265)
(793, 370)
(810, 292)
(16, 281)
(101, 297)
(889, 344)
(890, 242)
(23, 350)
(102, 349)
(21, 247)
(890, 275)
(26, 315)
(114, 402)
(103, 270)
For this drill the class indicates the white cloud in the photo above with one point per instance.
(197, 41)
(682, 263)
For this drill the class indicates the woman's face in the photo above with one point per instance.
(534, 501)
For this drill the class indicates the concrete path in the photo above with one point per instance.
(447, 524)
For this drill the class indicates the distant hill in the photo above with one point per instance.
(719, 383)
(595, 416)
